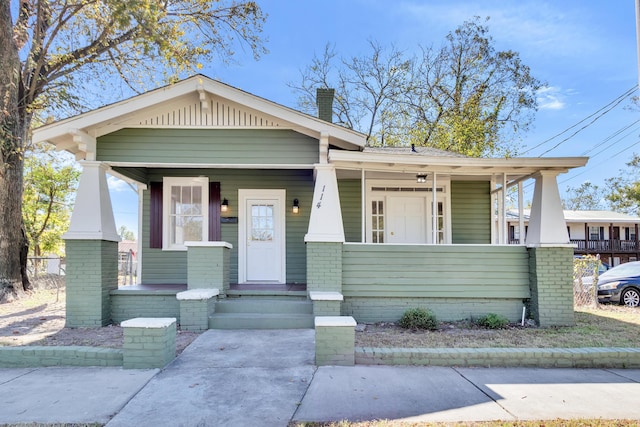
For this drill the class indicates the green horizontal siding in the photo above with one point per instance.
(470, 212)
(435, 271)
(169, 267)
(220, 146)
(350, 202)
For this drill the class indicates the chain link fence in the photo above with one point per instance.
(585, 279)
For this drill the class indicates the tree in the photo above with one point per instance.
(464, 97)
(52, 48)
(49, 184)
(587, 196)
(366, 88)
(625, 188)
(125, 233)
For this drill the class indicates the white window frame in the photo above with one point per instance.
(167, 183)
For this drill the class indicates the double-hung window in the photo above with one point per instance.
(185, 211)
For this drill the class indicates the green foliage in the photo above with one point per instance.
(493, 321)
(625, 188)
(125, 233)
(418, 318)
(586, 197)
(50, 181)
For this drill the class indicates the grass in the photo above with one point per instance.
(605, 326)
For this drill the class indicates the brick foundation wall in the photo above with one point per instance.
(386, 309)
(128, 304)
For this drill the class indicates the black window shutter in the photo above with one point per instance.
(155, 215)
(214, 212)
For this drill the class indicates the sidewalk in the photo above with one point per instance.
(267, 378)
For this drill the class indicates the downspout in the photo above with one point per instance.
(363, 207)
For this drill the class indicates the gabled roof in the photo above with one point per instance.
(196, 102)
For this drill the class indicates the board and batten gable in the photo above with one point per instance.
(470, 212)
(202, 146)
(170, 267)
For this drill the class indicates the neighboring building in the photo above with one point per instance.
(611, 235)
(287, 203)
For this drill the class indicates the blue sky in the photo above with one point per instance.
(585, 50)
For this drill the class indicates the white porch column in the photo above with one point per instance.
(325, 222)
(92, 217)
(546, 222)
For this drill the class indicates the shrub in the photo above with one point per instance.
(418, 318)
(493, 321)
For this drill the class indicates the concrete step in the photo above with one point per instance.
(260, 321)
(262, 313)
(264, 305)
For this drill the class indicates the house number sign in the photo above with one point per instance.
(319, 204)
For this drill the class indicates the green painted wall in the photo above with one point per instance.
(350, 202)
(470, 212)
(221, 146)
(169, 267)
(444, 271)
(380, 282)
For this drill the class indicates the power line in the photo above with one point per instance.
(588, 124)
(615, 142)
(613, 135)
(617, 100)
(598, 164)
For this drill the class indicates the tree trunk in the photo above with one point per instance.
(13, 132)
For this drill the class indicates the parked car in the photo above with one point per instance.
(621, 284)
(587, 280)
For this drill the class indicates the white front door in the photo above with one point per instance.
(407, 220)
(261, 233)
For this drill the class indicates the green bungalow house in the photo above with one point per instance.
(269, 205)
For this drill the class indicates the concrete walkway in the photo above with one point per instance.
(267, 378)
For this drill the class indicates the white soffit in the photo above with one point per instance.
(452, 165)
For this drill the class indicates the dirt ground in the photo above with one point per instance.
(40, 318)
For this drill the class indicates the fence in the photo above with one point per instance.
(127, 268)
(585, 280)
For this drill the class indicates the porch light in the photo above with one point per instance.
(421, 178)
(224, 206)
(296, 206)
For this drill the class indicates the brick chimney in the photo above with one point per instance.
(324, 100)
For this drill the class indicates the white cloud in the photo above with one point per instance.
(117, 185)
(550, 98)
(529, 27)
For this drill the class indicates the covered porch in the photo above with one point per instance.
(421, 234)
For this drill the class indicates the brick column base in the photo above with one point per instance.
(551, 283)
(91, 274)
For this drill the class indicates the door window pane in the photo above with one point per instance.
(262, 225)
